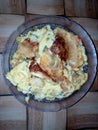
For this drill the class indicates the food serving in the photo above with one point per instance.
(48, 63)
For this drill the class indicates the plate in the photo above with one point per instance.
(71, 26)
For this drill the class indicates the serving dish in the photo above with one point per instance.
(69, 25)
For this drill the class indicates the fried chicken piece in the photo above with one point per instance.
(51, 64)
(72, 45)
(59, 47)
(28, 48)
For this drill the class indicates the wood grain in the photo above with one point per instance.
(12, 6)
(3, 41)
(12, 114)
(46, 120)
(44, 7)
(3, 86)
(8, 23)
(95, 85)
(84, 8)
(85, 113)
(32, 16)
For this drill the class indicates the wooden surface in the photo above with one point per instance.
(14, 115)
(85, 113)
(82, 8)
(44, 7)
(8, 23)
(13, 6)
(46, 120)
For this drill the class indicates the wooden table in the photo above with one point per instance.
(14, 115)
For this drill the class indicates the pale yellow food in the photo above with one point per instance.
(39, 67)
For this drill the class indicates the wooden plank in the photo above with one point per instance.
(44, 7)
(55, 121)
(35, 120)
(3, 86)
(46, 120)
(12, 6)
(32, 16)
(85, 113)
(8, 23)
(3, 41)
(84, 8)
(12, 114)
(95, 85)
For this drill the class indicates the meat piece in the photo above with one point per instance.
(72, 44)
(51, 64)
(27, 48)
(65, 84)
(35, 67)
(59, 47)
